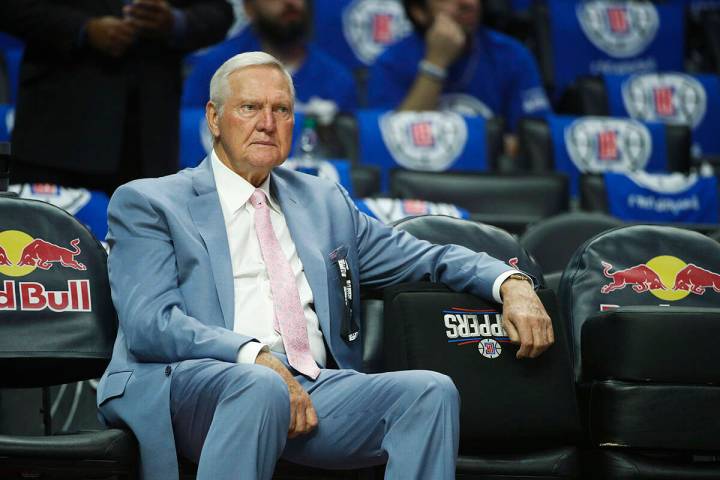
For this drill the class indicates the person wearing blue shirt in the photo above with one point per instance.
(452, 62)
(280, 27)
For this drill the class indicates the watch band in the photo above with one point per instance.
(432, 70)
(520, 276)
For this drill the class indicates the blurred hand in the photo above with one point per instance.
(525, 319)
(444, 41)
(152, 18)
(110, 35)
(303, 418)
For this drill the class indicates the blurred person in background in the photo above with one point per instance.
(452, 62)
(281, 28)
(100, 85)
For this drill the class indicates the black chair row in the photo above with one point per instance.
(646, 375)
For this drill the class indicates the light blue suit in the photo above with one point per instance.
(172, 286)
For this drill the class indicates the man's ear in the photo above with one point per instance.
(212, 116)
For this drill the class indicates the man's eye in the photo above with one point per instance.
(248, 107)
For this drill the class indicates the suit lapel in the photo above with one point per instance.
(300, 222)
(208, 218)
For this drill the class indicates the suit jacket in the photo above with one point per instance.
(72, 100)
(172, 285)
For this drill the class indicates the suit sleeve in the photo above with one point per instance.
(144, 283)
(390, 256)
(206, 23)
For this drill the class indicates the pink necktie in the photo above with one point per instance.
(289, 317)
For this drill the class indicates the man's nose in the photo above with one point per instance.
(267, 122)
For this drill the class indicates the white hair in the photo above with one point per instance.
(220, 86)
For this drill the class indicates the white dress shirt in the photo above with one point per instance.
(254, 311)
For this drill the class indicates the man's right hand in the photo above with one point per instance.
(445, 40)
(110, 35)
(303, 418)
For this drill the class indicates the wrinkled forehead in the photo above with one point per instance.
(260, 80)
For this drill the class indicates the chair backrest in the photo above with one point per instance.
(576, 145)
(553, 241)
(509, 201)
(479, 237)
(356, 32)
(599, 36)
(57, 321)
(427, 141)
(429, 327)
(670, 97)
(655, 198)
(639, 265)
(440, 230)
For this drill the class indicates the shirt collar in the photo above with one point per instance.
(234, 191)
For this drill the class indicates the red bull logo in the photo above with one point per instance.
(666, 277)
(20, 255)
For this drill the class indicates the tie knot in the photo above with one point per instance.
(258, 198)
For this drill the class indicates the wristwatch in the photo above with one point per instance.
(519, 276)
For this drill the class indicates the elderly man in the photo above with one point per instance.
(231, 350)
(453, 63)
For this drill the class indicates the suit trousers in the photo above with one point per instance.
(233, 419)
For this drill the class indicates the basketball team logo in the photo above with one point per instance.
(621, 29)
(21, 255)
(465, 326)
(371, 25)
(430, 141)
(673, 98)
(600, 144)
(464, 104)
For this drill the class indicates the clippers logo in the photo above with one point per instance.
(415, 207)
(599, 144)
(666, 277)
(430, 141)
(673, 98)
(371, 25)
(20, 255)
(464, 104)
(484, 327)
(422, 135)
(621, 29)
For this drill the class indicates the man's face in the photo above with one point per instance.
(278, 21)
(465, 12)
(254, 132)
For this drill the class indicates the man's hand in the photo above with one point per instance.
(110, 35)
(152, 18)
(445, 40)
(303, 418)
(525, 319)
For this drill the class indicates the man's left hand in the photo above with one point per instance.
(525, 319)
(152, 18)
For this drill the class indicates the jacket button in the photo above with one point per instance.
(168, 370)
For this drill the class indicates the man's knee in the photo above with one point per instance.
(262, 388)
(435, 386)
